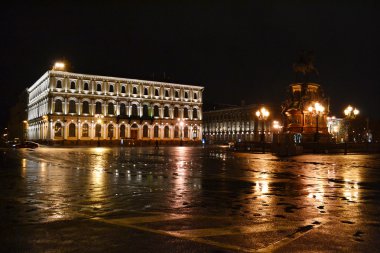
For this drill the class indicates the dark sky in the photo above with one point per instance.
(237, 50)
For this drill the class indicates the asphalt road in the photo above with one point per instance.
(186, 199)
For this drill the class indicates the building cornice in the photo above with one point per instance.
(116, 79)
(41, 79)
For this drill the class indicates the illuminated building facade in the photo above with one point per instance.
(235, 124)
(71, 107)
(336, 128)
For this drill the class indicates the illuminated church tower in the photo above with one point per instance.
(306, 108)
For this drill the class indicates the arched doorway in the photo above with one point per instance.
(134, 131)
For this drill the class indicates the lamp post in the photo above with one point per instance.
(64, 130)
(99, 121)
(316, 110)
(350, 113)
(24, 130)
(262, 115)
(181, 123)
(276, 126)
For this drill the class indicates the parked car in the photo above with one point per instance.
(26, 144)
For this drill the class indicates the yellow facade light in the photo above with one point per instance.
(59, 66)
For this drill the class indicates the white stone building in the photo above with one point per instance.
(80, 108)
(236, 124)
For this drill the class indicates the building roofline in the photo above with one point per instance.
(238, 107)
(44, 76)
(110, 78)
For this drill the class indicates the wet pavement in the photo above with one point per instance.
(187, 199)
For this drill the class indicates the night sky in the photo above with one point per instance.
(237, 50)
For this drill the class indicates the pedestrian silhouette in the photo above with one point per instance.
(156, 144)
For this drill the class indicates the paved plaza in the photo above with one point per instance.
(187, 199)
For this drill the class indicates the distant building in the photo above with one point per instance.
(337, 129)
(65, 106)
(235, 124)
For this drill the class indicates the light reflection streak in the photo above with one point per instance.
(181, 189)
(97, 177)
(23, 167)
(262, 185)
(351, 180)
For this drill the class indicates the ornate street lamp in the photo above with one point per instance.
(316, 110)
(262, 115)
(277, 128)
(350, 114)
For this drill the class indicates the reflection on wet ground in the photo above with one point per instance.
(251, 192)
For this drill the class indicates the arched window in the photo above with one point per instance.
(145, 131)
(134, 90)
(176, 94)
(85, 86)
(85, 107)
(98, 130)
(176, 132)
(59, 84)
(123, 110)
(195, 113)
(122, 131)
(156, 132)
(98, 87)
(166, 93)
(123, 89)
(72, 130)
(72, 106)
(185, 112)
(195, 95)
(145, 91)
(186, 132)
(145, 111)
(98, 108)
(134, 110)
(166, 132)
(176, 112)
(85, 130)
(58, 105)
(186, 94)
(58, 130)
(166, 111)
(156, 92)
(111, 88)
(110, 131)
(156, 111)
(111, 109)
(72, 85)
